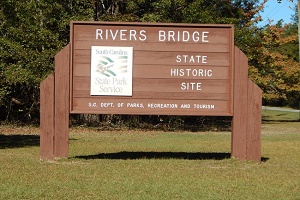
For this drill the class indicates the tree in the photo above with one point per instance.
(274, 68)
(31, 32)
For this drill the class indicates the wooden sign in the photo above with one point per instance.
(136, 68)
(151, 69)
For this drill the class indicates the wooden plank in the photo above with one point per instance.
(254, 122)
(163, 58)
(240, 106)
(169, 85)
(165, 95)
(150, 106)
(166, 71)
(149, 33)
(147, 24)
(47, 118)
(147, 46)
(62, 99)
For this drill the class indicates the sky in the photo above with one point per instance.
(277, 11)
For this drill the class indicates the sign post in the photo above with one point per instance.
(152, 69)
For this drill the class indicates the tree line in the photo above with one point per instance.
(32, 32)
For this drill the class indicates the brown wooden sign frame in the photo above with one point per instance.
(179, 69)
(227, 89)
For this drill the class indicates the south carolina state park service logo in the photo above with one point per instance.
(111, 70)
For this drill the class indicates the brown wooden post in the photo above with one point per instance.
(54, 120)
(254, 122)
(246, 122)
(62, 99)
(47, 118)
(239, 121)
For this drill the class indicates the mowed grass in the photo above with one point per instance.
(150, 165)
(275, 115)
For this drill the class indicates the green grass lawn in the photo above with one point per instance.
(150, 165)
(274, 115)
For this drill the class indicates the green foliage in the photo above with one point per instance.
(274, 68)
(31, 33)
(198, 11)
(291, 49)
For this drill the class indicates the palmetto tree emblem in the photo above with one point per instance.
(107, 67)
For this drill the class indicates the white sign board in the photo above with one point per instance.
(111, 70)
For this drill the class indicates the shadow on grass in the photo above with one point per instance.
(124, 155)
(18, 141)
